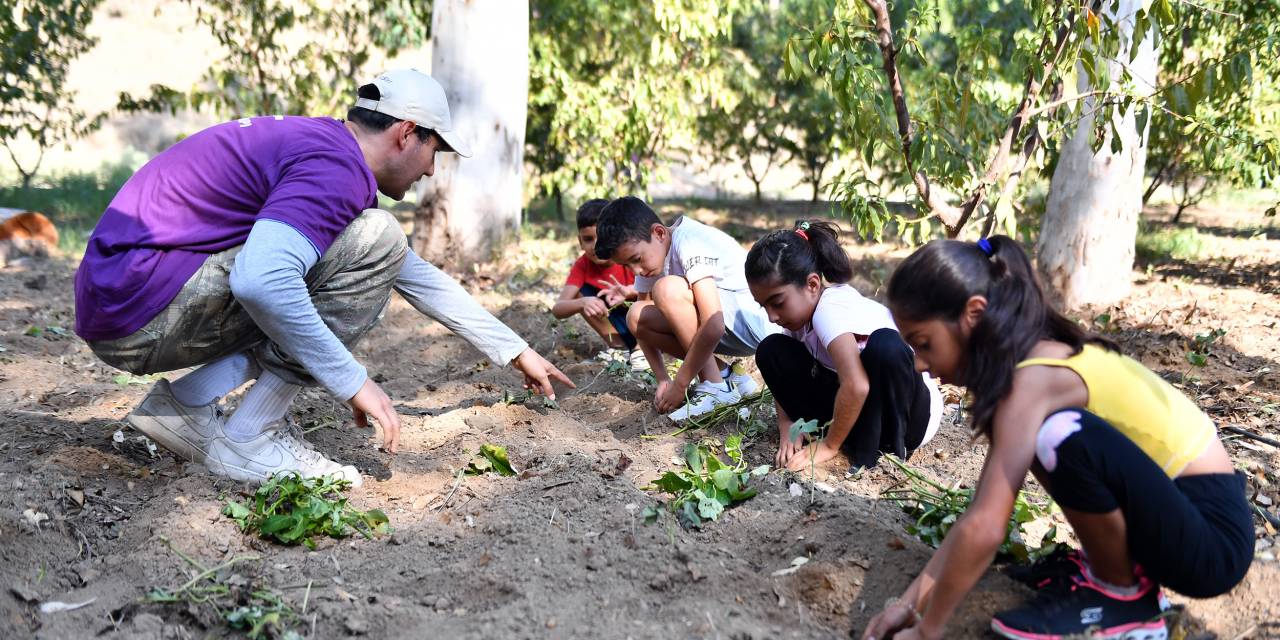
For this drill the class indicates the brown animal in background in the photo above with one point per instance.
(25, 233)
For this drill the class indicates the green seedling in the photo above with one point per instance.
(1202, 347)
(491, 458)
(528, 394)
(290, 509)
(813, 432)
(243, 605)
(936, 508)
(705, 486)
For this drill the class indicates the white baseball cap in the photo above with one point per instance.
(409, 94)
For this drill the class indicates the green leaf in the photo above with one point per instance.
(724, 479)
(650, 514)
(710, 508)
(695, 458)
(672, 483)
(497, 457)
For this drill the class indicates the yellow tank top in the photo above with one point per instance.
(1163, 422)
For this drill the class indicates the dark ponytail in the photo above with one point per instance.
(937, 281)
(789, 256)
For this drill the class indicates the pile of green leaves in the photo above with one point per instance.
(705, 486)
(291, 509)
(936, 508)
(243, 604)
(751, 415)
(491, 458)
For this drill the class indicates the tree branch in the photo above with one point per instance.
(949, 215)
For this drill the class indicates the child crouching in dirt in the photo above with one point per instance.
(596, 289)
(694, 303)
(840, 360)
(1136, 467)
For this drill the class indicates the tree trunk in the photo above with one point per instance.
(1090, 225)
(480, 53)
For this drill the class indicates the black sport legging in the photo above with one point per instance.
(893, 417)
(1193, 534)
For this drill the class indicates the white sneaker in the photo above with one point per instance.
(186, 431)
(705, 397)
(638, 361)
(742, 382)
(277, 449)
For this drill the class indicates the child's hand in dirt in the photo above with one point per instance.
(891, 623)
(538, 373)
(669, 397)
(814, 454)
(786, 450)
(372, 402)
(594, 308)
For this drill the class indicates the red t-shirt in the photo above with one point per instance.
(584, 271)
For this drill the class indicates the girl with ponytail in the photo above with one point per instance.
(1135, 466)
(841, 360)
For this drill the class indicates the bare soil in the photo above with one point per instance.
(560, 551)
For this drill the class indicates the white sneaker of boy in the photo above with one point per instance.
(186, 431)
(705, 397)
(638, 361)
(277, 449)
(742, 382)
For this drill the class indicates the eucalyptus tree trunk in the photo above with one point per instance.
(480, 53)
(1090, 226)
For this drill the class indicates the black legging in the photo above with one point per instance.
(893, 417)
(1193, 534)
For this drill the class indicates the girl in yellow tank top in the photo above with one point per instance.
(1136, 467)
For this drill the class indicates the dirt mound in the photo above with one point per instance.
(560, 551)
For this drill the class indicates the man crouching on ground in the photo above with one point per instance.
(251, 249)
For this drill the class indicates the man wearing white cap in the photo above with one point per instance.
(252, 250)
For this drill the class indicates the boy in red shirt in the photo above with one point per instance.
(597, 288)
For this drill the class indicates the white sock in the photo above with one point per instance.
(1114, 588)
(215, 379)
(266, 401)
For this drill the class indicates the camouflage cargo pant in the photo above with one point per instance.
(349, 286)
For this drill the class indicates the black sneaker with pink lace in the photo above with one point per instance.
(1075, 606)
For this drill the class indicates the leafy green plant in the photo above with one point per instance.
(491, 458)
(291, 509)
(528, 394)
(1202, 347)
(936, 508)
(705, 486)
(242, 604)
(813, 432)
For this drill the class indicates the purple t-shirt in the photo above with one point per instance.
(202, 196)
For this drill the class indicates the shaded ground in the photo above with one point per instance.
(562, 552)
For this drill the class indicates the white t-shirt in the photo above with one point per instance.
(841, 310)
(699, 251)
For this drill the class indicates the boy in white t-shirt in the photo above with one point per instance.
(694, 303)
(841, 360)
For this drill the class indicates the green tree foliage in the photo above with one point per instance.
(287, 57)
(1230, 60)
(956, 101)
(765, 118)
(615, 83)
(41, 39)
(746, 127)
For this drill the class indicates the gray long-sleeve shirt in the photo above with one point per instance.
(268, 280)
